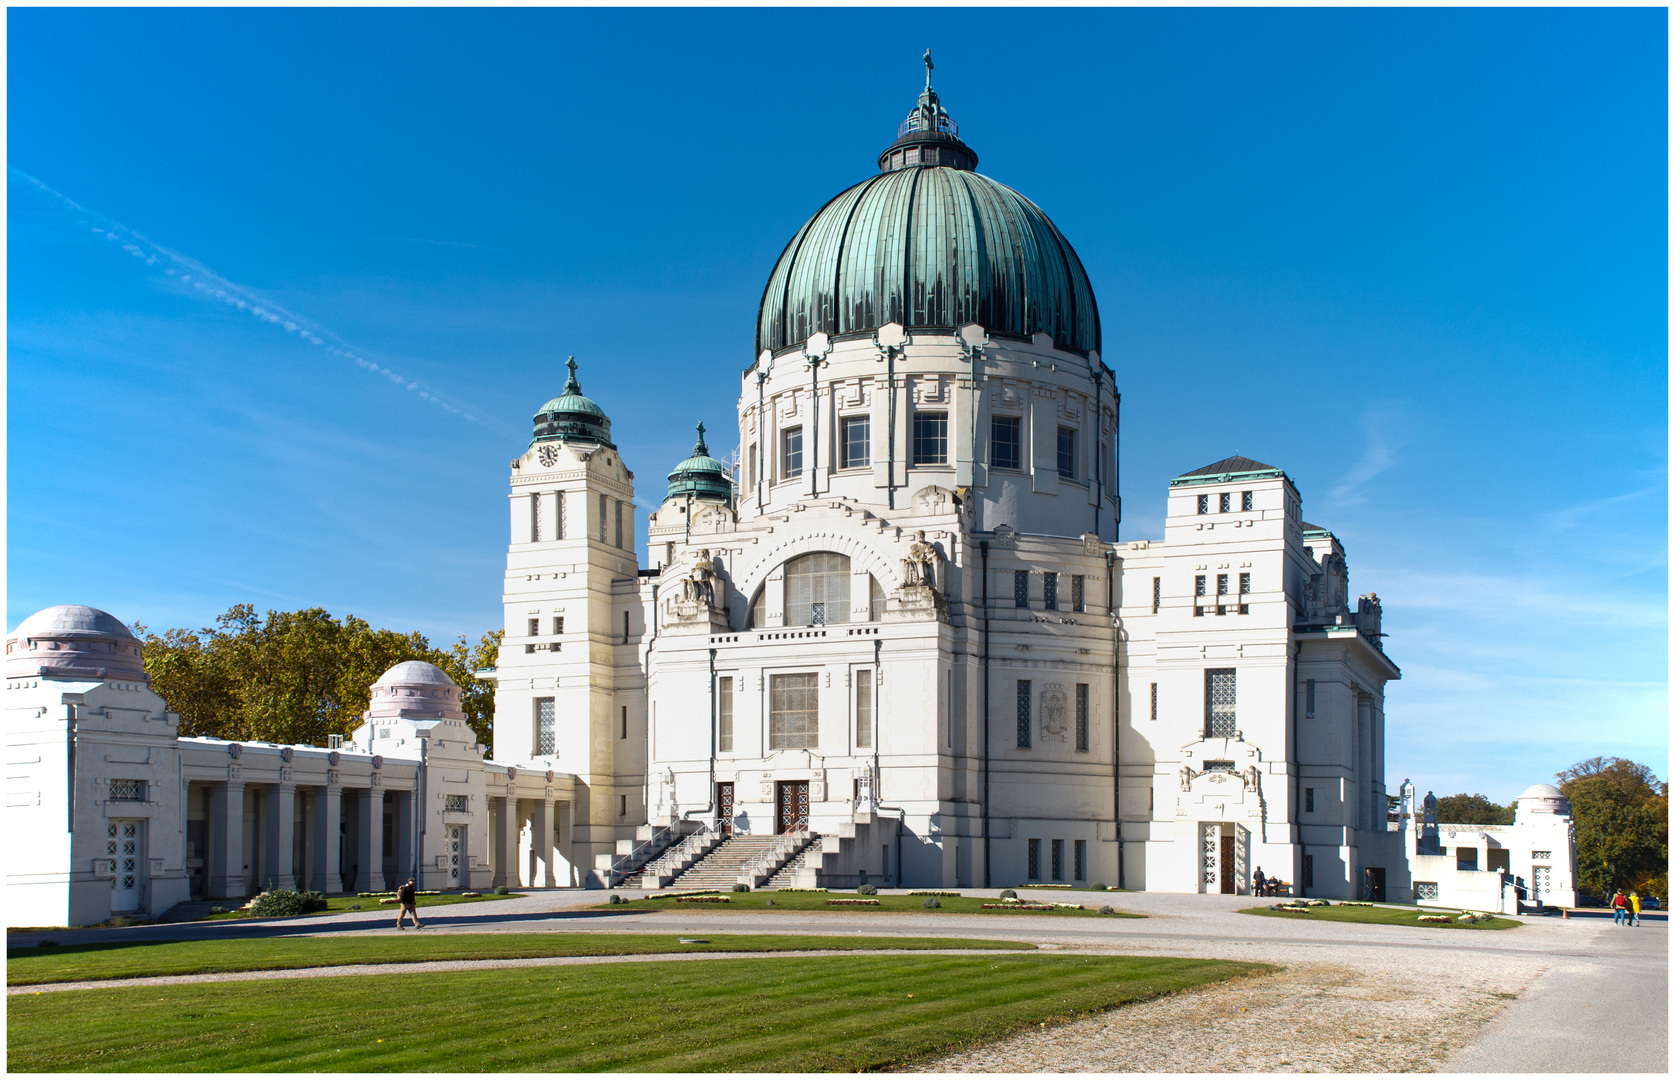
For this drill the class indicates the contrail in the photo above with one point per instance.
(212, 286)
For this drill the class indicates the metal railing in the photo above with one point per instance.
(636, 858)
(670, 861)
(769, 858)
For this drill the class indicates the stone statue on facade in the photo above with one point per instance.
(919, 568)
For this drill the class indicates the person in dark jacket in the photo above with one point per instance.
(1259, 882)
(408, 897)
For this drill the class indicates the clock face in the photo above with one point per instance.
(547, 455)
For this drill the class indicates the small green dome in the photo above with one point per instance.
(572, 417)
(700, 475)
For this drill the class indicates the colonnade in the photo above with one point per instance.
(531, 841)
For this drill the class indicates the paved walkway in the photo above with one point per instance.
(1576, 995)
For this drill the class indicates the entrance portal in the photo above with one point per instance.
(793, 806)
(122, 844)
(724, 808)
(456, 837)
(1227, 879)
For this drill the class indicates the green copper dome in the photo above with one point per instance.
(572, 417)
(928, 243)
(700, 475)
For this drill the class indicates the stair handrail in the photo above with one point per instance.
(787, 844)
(665, 863)
(642, 853)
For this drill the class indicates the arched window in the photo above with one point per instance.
(817, 589)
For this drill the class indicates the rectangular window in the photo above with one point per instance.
(1006, 443)
(619, 523)
(1423, 890)
(1201, 585)
(625, 722)
(1157, 595)
(546, 723)
(1221, 584)
(559, 519)
(1050, 591)
(1081, 860)
(794, 711)
(535, 518)
(1067, 453)
(724, 714)
(625, 628)
(1034, 868)
(857, 442)
(1244, 583)
(1247, 501)
(1544, 856)
(863, 707)
(930, 438)
(1020, 588)
(1308, 699)
(127, 791)
(1082, 717)
(752, 466)
(1058, 860)
(1078, 593)
(534, 631)
(456, 804)
(1308, 800)
(1203, 504)
(604, 505)
(1226, 501)
(791, 453)
(1154, 701)
(1308, 871)
(622, 806)
(1220, 699)
(1023, 714)
(558, 624)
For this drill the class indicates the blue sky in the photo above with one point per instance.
(1418, 258)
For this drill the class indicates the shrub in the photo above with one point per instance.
(867, 890)
(217, 909)
(1098, 886)
(1009, 894)
(280, 903)
(931, 902)
(615, 899)
(741, 887)
(1107, 909)
(471, 894)
(501, 890)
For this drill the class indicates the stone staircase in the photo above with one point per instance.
(724, 866)
(786, 876)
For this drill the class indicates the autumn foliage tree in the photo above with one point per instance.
(1466, 809)
(1621, 810)
(298, 676)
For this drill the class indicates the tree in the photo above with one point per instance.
(298, 676)
(1466, 809)
(1621, 811)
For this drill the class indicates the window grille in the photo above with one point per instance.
(1203, 504)
(535, 627)
(1221, 584)
(1201, 585)
(1020, 588)
(1220, 700)
(1226, 501)
(792, 457)
(1154, 701)
(625, 721)
(558, 515)
(863, 707)
(456, 804)
(1546, 856)
(875, 599)
(535, 518)
(546, 721)
(930, 438)
(1157, 595)
(1244, 609)
(1422, 890)
(1247, 501)
(1308, 699)
(1221, 609)
(1082, 717)
(604, 504)
(752, 475)
(1005, 442)
(794, 711)
(619, 523)
(1308, 871)
(857, 442)
(1058, 860)
(127, 791)
(1034, 860)
(724, 714)
(1023, 714)
(1308, 800)
(1067, 453)
(558, 624)
(817, 589)
(1050, 591)
(1244, 583)
(1078, 593)
(1081, 860)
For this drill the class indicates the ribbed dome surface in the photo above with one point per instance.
(929, 247)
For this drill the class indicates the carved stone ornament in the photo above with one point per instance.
(235, 751)
(287, 753)
(1054, 714)
(511, 772)
(549, 776)
(377, 761)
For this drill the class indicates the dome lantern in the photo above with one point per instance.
(701, 475)
(572, 416)
(929, 136)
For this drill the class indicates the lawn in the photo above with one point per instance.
(1383, 916)
(338, 904)
(128, 960)
(777, 1014)
(895, 904)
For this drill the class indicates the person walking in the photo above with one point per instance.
(1634, 908)
(1619, 908)
(408, 897)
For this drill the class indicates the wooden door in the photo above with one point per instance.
(1227, 882)
(724, 808)
(793, 806)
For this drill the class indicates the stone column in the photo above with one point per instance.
(566, 872)
(226, 845)
(328, 839)
(511, 826)
(280, 825)
(541, 841)
(371, 838)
